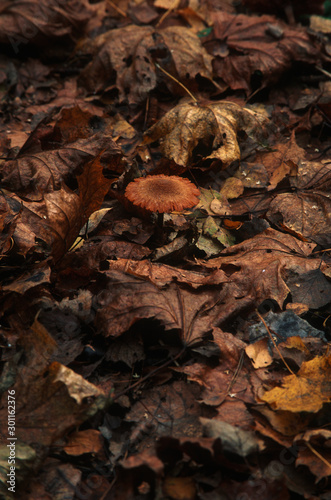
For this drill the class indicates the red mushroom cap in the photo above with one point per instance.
(162, 193)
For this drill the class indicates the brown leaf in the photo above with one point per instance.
(37, 172)
(282, 161)
(314, 452)
(40, 274)
(129, 52)
(93, 187)
(179, 488)
(258, 352)
(249, 44)
(264, 264)
(31, 21)
(50, 398)
(217, 383)
(306, 213)
(172, 409)
(192, 131)
(88, 441)
(52, 225)
(161, 274)
(127, 299)
(306, 391)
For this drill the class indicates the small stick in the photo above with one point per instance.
(175, 80)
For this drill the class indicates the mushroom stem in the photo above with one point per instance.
(160, 217)
(160, 235)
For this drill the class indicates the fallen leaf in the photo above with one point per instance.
(261, 45)
(282, 161)
(306, 391)
(265, 260)
(193, 131)
(258, 352)
(52, 225)
(88, 441)
(126, 299)
(162, 274)
(234, 440)
(306, 213)
(314, 452)
(129, 52)
(35, 173)
(33, 21)
(179, 488)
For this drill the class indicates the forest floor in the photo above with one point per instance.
(172, 343)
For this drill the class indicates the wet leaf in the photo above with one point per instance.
(314, 452)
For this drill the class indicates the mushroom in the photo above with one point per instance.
(162, 194)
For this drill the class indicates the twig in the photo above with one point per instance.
(235, 376)
(166, 14)
(146, 377)
(274, 343)
(324, 460)
(120, 11)
(175, 80)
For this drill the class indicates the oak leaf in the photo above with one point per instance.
(192, 131)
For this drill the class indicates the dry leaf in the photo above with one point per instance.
(130, 53)
(246, 46)
(194, 131)
(306, 391)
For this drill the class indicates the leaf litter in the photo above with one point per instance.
(183, 356)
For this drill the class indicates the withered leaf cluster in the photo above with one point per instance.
(184, 354)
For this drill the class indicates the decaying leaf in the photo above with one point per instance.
(31, 21)
(128, 299)
(36, 172)
(314, 452)
(193, 131)
(130, 51)
(261, 46)
(306, 213)
(52, 225)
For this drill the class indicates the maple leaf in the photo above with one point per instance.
(266, 264)
(129, 52)
(128, 299)
(306, 391)
(245, 46)
(210, 127)
(35, 172)
(51, 225)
